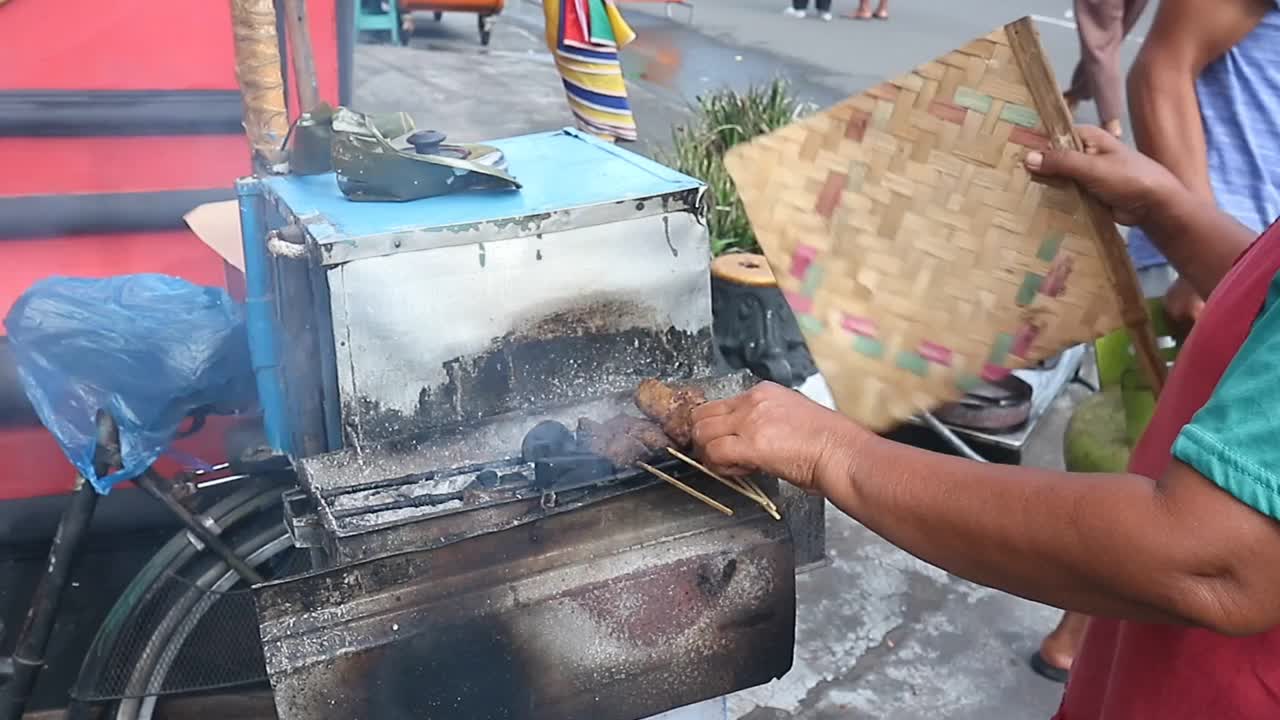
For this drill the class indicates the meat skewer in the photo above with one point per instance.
(622, 439)
(752, 491)
(671, 407)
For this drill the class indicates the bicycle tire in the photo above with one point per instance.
(172, 632)
(261, 495)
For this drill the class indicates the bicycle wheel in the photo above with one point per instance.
(169, 638)
(176, 609)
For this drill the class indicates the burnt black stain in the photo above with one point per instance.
(714, 579)
(538, 254)
(747, 622)
(468, 670)
(567, 357)
(666, 228)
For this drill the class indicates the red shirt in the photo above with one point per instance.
(1133, 671)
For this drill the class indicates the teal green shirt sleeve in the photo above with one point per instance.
(1234, 440)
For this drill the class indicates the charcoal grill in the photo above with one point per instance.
(403, 352)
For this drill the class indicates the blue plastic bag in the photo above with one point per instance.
(149, 349)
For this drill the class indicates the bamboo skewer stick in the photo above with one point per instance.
(767, 500)
(704, 498)
(764, 500)
(744, 486)
(732, 483)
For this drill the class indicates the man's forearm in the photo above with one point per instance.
(1201, 241)
(1167, 126)
(1099, 544)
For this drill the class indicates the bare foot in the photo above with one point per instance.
(1115, 127)
(882, 11)
(864, 11)
(1058, 649)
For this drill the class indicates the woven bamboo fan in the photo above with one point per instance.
(919, 256)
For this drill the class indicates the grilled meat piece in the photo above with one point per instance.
(672, 407)
(623, 450)
(622, 439)
(649, 433)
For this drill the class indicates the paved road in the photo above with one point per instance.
(832, 60)
(880, 634)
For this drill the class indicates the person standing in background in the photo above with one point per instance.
(864, 11)
(584, 37)
(1204, 99)
(800, 9)
(1102, 26)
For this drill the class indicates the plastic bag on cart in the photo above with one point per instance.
(149, 349)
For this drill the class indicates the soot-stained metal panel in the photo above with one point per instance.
(615, 611)
(455, 334)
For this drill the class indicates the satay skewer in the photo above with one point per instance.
(732, 483)
(704, 498)
(763, 499)
(744, 486)
(752, 484)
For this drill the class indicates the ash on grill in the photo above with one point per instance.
(553, 460)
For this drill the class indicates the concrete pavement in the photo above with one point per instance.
(880, 634)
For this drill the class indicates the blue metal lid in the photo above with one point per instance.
(558, 170)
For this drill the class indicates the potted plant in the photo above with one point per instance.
(754, 327)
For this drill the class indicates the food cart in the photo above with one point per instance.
(367, 405)
(486, 11)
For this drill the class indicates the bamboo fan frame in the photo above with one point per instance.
(919, 256)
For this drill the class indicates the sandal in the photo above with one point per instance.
(1048, 671)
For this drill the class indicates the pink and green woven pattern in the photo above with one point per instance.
(917, 253)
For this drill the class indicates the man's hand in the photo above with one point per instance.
(1134, 186)
(777, 431)
(1182, 305)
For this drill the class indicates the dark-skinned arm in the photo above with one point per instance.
(1185, 37)
(1172, 549)
(1175, 549)
(1201, 241)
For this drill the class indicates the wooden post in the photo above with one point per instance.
(258, 74)
(304, 63)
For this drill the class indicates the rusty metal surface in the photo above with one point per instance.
(616, 611)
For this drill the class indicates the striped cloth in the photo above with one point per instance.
(584, 36)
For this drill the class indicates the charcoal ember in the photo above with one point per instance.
(488, 479)
(546, 439)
